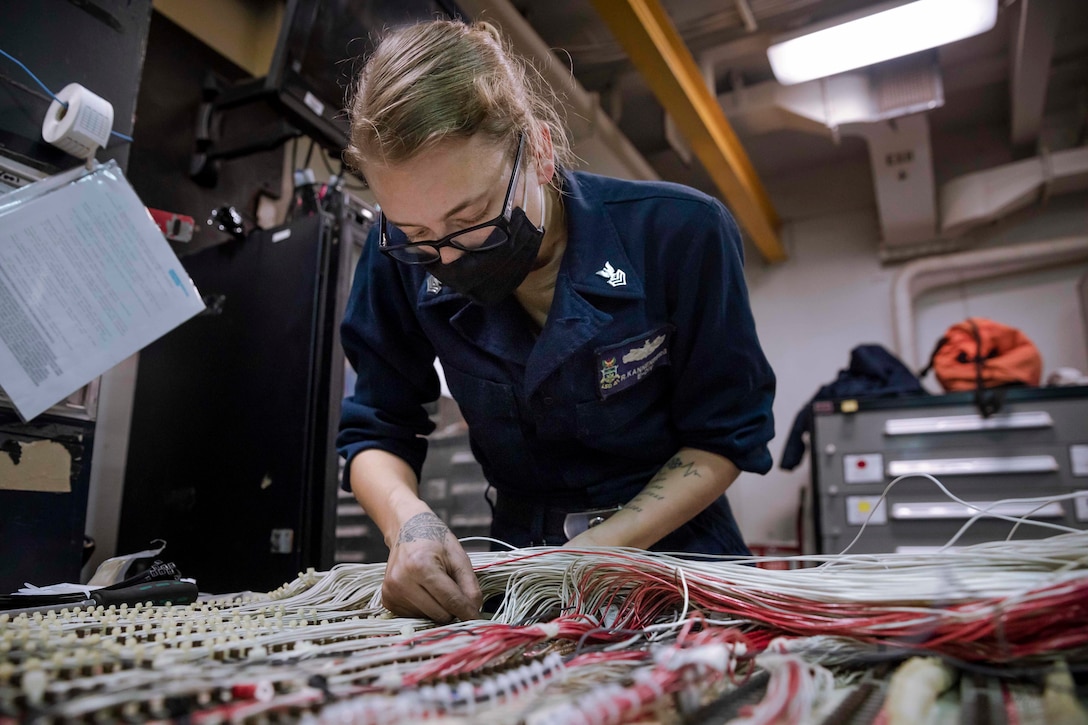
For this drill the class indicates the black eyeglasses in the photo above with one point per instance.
(488, 235)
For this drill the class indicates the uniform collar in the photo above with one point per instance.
(595, 265)
(596, 261)
(502, 330)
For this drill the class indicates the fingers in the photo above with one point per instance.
(432, 594)
(433, 579)
(461, 569)
(417, 603)
(449, 594)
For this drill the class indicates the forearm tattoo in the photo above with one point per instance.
(655, 489)
(423, 527)
(689, 467)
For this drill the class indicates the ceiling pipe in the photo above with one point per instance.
(747, 15)
(585, 118)
(923, 275)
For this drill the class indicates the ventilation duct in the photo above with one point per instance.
(884, 106)
(984, 196)
(885, 109)
(825, 106)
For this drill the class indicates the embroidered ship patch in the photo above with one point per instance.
(623, 365)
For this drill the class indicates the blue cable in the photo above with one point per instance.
(30, 73)
(52, 95)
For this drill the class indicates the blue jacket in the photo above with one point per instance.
(649, 347)
(873, 372)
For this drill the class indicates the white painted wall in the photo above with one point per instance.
(834, 294)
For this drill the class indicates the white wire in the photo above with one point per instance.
(982, 512)
(500, 542)
(1041, 500)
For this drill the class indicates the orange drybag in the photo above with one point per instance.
(979, 353)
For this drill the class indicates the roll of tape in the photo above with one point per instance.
(82, 127)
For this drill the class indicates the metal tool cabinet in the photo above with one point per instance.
(1035, 446)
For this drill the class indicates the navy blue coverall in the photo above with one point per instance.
(649, 346)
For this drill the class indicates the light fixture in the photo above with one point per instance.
(887, 31)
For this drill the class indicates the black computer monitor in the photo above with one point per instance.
(321, 45)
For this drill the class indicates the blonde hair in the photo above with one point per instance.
(442, 79)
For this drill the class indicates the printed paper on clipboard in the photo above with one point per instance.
(86, 280)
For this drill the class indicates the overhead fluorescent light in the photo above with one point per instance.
(893, 30)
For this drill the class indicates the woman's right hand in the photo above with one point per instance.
(429, 574)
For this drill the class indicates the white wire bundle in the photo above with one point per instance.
(1025, 588)
(325, 633)
(539, 580)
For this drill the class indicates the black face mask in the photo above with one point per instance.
(488, 276)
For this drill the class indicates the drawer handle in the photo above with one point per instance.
(974, 466)
(951, 510)
(968, 423)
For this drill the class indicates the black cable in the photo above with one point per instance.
(328, 167)
(124, 138)
(42, 97)
(990, 402)
(309, 154)
(25, 88)
(730, 704)
(344, 177)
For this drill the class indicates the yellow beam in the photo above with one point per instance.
(657, 50)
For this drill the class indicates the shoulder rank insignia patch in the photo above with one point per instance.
(614, 277)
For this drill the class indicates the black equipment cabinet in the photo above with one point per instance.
(231, 455)
(42, 519)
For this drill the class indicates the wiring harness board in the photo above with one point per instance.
(986, 633)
